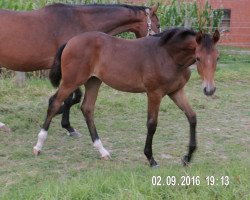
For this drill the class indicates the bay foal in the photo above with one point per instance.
(157, 65)
(30, 39)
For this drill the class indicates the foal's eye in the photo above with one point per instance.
(198, 59)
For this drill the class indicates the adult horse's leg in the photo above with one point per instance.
(74, 98)
(4, 128)
(91, 90)
(54, 106)
(154, 100)
(181, 101)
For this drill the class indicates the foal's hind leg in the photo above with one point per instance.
(56, 102)
(70, 101)
(181, 101)
(154, 100)
(73, 98)
(92, 86)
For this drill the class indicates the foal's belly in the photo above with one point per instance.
(122, 82)
(124, 85)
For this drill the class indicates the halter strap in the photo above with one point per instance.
(149, 23)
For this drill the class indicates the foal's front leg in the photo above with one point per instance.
(181, 101)
(154, 100)
(56, 102)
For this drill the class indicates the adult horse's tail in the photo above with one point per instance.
(55, 74)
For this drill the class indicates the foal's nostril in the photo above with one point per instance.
(205, 90)
(210, 92)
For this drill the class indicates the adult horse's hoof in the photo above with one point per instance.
(5, 128)
(107, 157)
(185, 160)
(75, 134)
(36, 152)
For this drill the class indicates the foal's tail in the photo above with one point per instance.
(55, 74)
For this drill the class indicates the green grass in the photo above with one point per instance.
(71, 169)
(234, 54)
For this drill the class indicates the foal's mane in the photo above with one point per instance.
(131, 7)
(174, 35)
(177, 35)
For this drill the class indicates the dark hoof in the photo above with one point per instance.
(185, 160)
(74, 134)
(153, 164)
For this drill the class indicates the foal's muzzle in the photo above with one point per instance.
(209, 92)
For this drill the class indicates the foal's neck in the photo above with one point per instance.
(183, 53)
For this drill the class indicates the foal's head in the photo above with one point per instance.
(185, 46)
(206, 59)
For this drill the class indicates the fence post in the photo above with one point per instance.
(20, 79)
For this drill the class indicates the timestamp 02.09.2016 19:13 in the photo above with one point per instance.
(190, 180)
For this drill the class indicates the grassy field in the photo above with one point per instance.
(71, 168)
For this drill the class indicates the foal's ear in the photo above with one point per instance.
(154, 8)
(198, 37)
(216, 36)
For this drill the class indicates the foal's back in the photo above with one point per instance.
(115, 61)
(126, 65)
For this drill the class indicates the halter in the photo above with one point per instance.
(149, 23)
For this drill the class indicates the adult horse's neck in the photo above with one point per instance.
(112, 19)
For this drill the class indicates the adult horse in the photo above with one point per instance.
(29, 40)
(157, 65)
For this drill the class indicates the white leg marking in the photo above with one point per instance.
(98, 145)
(42, 136)
(2, 124)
